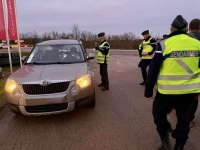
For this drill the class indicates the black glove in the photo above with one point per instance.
(96, 48)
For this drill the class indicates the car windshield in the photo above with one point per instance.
(56, 54)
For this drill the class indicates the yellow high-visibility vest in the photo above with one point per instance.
(147, 48)
(179, 72)
(101, 57)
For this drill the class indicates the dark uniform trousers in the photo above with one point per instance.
(104, 74)
(144, 64)
(185, 109)
(195, 108)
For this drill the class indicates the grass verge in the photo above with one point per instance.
(6, 71)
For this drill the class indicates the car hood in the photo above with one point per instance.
(29, 73)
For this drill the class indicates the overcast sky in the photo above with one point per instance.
(110, 16)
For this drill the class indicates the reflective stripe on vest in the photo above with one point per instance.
(147, 48)
(101, 57)
(140, 46)
(179, 72)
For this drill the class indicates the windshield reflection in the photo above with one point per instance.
(56, 54)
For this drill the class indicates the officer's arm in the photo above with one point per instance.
(140, 48)
(105, 49)
(153, 72)
(153, 43)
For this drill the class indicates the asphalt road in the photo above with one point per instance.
(121, 120)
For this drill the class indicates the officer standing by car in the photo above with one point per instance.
(175, 68)
(149, 46)
(102, 60)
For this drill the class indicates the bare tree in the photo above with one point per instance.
(84, 35)
(54, 34)
(75, 31)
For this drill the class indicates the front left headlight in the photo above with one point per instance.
(84, 81)
(10, 85)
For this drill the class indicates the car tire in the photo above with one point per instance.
(92, 104)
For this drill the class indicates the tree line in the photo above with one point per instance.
(124, 41)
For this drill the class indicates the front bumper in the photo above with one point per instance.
(50, 103)
(50, 109)
(24, 110)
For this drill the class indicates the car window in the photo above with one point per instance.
(65, 53)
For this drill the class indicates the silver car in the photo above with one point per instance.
(56, 77)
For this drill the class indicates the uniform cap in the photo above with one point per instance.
(101, 34)
(145, 32)
(179, 23)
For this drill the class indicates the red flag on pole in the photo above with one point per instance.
(12, 24)
(2, 23)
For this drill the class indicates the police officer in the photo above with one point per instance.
(149, 46)
(194, 31)
(175, 68)
(102, 60)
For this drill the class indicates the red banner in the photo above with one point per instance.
(12, 24)
(2, 23)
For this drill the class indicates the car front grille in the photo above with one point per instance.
(46, 108)
(36, 89)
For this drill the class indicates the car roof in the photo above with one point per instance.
(62, 41)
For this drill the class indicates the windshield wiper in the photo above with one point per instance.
(37, 63)
(49, 63)
(59, 62)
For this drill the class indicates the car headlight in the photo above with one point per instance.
(75, 90)
(84, 81)
(10, 85)
(17, 93)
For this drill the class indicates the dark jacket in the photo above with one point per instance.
(154, 67)
(195, 35)
(140, 48)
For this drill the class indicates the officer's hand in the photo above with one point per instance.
(145, 54)
(150, 98)
(96, 48)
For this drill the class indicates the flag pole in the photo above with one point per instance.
(7, 36)
(18, 39)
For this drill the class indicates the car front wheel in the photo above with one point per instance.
(93, 102)
(16, 112)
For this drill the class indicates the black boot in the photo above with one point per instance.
(105, 88)
(100, 85)
(166, 145)
(143, 83)
(178, 146)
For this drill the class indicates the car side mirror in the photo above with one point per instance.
(23, 59)
(90, 56)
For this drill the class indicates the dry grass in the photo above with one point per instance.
(6, 71)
